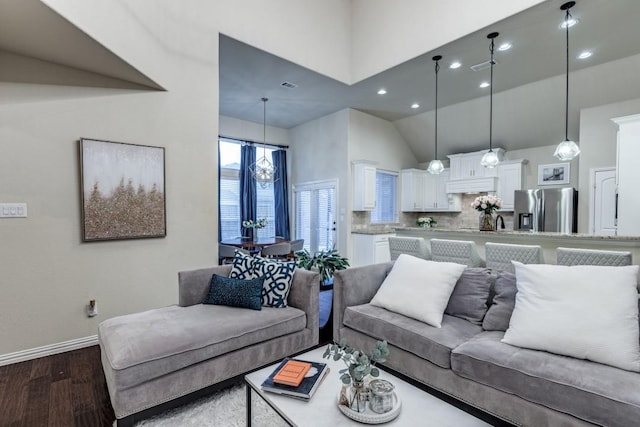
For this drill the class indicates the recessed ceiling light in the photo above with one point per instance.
(569, 23)
(504, 46)
(415, 105)
(382, 91)
(484, 84)
(585, 54)
(455, 65)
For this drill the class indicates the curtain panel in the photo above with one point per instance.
(280, 194)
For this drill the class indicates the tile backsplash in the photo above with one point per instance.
(467, 218)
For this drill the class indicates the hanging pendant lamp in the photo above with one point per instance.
(567, 149)
(490, 159)
(435, 166)
(262, 170)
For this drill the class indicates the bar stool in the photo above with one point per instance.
(458, 251)
(416, 246)
(500, 255)
(573, 256)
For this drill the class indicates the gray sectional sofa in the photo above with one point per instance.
(159, 355)
(465, 359)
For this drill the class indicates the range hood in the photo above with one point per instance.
(472, 185)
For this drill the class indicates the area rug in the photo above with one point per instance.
(226, 408)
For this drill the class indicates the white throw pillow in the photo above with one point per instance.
(418, 288)
(587, 312)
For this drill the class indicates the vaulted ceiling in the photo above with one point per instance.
(528, 81)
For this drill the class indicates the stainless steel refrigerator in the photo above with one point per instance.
(553, 209)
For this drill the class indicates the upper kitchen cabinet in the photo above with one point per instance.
(424, 192)
(364, 185)
(467, 165)
(510, 178)
(628, 175)
(412, 190)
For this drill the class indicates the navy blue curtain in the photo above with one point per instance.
(219, 213)
(280, 194)
(248, 197)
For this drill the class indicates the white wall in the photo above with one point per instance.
(378, 140)
(318, 153)
(598, 145)
(231, 127)
(388, 33)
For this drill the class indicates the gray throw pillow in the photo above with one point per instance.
(469, 297)
(504, 300)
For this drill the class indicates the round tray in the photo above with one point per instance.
(370, 417)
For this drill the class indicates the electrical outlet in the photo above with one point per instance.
(92, 308)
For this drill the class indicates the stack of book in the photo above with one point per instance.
(296, 378)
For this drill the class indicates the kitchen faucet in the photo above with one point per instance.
(499, 217)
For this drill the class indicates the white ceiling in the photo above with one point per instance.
(608, 28)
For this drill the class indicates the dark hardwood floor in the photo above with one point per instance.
(66, 389)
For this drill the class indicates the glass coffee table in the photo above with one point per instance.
(418, 406)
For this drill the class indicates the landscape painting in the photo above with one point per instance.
(123, 190)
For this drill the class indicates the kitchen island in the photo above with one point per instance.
(548, 241)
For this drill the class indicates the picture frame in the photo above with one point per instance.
(122, 189)
(554, 174)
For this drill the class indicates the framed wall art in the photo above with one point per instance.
(123, 191)
(554, 174)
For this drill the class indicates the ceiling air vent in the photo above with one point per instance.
(288, 85)
(483, 65)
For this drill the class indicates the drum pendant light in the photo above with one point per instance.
(435, 166)
(567, 149)
(490, 159)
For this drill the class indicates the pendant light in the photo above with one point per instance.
(435, 166)
(567, 149)
(490, 159)
(262, 170)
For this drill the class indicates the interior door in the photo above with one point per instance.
(603, 209)
(315, 208)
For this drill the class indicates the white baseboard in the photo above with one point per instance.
(47, 350)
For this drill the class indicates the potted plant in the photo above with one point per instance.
(426, 222)
(324, 262)
(359, 366)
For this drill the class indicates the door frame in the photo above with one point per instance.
(314, 185)
(592, 194)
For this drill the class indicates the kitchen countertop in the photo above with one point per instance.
(515, 234)
(378, 230)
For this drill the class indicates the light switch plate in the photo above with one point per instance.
(13, 210)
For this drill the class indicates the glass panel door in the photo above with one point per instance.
(315, 208)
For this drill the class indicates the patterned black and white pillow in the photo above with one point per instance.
(242, 266)
(277, 280)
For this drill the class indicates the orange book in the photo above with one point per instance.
(292, 373)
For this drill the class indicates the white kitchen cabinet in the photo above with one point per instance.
(364, 186)
(510, 178)
(467, 165)
(370, 249)
(628, 175)
(424, 192)
(436, 197)
(412, 190)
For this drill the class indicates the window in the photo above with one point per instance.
(386, 195)
(229, 197)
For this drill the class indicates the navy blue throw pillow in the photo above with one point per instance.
(235, 292)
